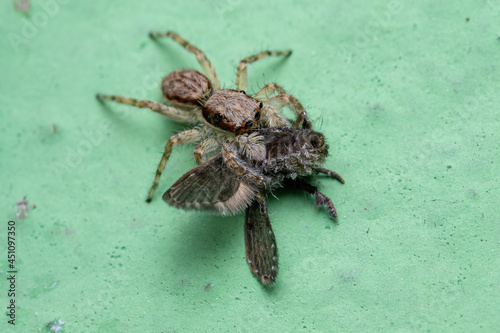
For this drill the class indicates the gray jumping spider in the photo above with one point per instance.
(222, 113)
(216, 186)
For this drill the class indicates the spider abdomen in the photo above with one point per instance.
(185, 88)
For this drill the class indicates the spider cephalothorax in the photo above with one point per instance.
(232, 111)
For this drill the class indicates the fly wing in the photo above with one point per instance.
(211, 186)
(260, 243)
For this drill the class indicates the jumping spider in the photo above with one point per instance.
(290, 154)
(221, 114)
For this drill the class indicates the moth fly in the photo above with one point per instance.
(289, 155)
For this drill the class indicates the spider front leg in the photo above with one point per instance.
(188, 136)
(251, 146)
(278, 102)
(302, 120)
(170, 112)
(241, 71)
(204, 148)
(266, 91)
(275, 104)
(200, 56)
(242, 170)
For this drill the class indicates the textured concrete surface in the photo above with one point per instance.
(407, 96)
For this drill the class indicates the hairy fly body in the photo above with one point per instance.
(237, 179)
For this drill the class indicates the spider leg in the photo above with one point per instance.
(279, 101)
(170, 112)
(204, 148)
(270, 117)
(332, 174)
(200, 56)
(266, 91)
(189, 136)
(302, 120)
(251, 146)
(273, 116)
(242, 170)
(321, 199)
(241, 71)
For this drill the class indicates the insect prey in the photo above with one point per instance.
(289, 155)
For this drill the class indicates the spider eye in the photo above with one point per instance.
(257, 115)
(218, 116)
(261, 105)
(243, 92)
(248, 124)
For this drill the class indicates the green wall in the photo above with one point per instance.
(407, 96)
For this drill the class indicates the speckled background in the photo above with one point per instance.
(407, 96)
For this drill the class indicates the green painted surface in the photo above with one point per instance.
(407, 96)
